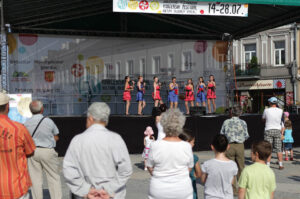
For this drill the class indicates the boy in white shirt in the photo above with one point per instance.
(219, 173)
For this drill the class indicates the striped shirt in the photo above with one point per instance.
(15, 144)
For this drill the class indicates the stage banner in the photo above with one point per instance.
(68, 72)
(19, 107)
(181, 7)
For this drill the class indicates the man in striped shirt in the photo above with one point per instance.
(15, 144)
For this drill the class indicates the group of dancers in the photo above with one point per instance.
(205, 92)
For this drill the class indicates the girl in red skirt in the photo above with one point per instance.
(156, 92)
(126, 94)
(211, 93)
(189, 95)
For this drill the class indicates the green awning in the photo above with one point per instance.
(272, 2)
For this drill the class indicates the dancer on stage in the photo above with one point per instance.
(173, 93)
(189, 95)
(140, 95)
(156, 92)
(211, 93)
(201, 96)
(126, 94)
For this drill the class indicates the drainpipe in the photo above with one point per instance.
(295, 67)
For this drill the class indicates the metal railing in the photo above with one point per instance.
(246, 71)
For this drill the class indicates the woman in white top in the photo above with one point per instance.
(170, 161)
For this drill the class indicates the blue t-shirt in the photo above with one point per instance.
(288, 138)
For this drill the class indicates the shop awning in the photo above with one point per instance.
(265, 2)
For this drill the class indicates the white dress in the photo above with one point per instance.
(148, 142)
(171, 162)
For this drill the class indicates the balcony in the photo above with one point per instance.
(246, 72)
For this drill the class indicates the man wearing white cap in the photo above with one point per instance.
(15, 144)
(272, 116)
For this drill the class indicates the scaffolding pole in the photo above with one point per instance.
(229, 76)
(4, 54)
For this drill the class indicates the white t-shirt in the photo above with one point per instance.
(273, 118)
(219, 178)
(171, 161)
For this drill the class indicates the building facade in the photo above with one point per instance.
(263, 68)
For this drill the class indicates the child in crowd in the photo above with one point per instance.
(288, 140)
(218, 174)
(196, 171)
(148, 139)
(258, 180)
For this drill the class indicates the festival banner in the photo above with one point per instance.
(69, 72)
(181, 7)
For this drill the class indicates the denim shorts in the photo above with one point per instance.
(288, 146)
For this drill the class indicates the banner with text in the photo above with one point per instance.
(181, 7)
(68, 73)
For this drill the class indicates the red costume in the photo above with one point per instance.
(211, 91)
(157, 93)
(189, 94)
(126, 94)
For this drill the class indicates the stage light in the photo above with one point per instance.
(8, 27)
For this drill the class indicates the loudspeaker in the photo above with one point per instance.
(156, 111)
(198, 110)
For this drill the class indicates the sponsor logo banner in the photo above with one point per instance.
(181, 7)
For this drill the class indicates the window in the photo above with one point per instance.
(279, 53)
(250, 51)
(170, 63)
(129, 66)
(187, 61)
(156, 64)
(143, 67)
(108, 69)
(118, 70)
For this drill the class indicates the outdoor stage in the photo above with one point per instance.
(132, 129)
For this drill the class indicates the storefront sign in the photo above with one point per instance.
(255, 85)
(181, 7)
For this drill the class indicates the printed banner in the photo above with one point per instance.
(19, 107)
(68, 73)
(181, 7)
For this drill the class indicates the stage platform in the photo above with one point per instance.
(132, 128)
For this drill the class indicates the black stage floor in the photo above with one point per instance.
(132, 128)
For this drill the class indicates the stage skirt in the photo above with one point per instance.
(126, 96)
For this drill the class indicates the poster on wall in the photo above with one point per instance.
(19, 107)
(289, 96)
(69, 72)
(181, 7)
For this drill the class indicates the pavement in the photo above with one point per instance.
(288, 180)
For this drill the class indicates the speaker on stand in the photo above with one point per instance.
(198, 111)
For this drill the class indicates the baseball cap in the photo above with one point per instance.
(4, 99)
(273, 100)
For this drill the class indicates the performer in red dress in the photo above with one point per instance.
(156, 92)
(211, 93)
(126, 94)
(189, 95)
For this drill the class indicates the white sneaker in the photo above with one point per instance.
(145, 169)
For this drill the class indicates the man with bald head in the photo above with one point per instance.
(45, 134)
